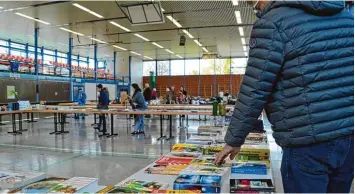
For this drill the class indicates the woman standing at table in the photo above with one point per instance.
(138, 103)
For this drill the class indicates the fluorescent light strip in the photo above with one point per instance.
(179, 56)
(174, 21)
(31, 18)
(147, 57)
(235, 2)
(241, 31)
(167, 50)
(1, 7)
(239, 18)
(80, 34)
(158, 45)
(204, 48)
(198, 43)
(135, 53)
(119, 47)
(142, 37)
(122, 27)
(97, 40)
(243, 40)
(88, 10)
(187, 33)
(14, 9)
(245, 48)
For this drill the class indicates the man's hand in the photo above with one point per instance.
(227, 150)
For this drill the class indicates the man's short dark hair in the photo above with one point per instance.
(99, 86)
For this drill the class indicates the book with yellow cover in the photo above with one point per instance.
(213, 149)
(177, 191)
(261, 150)
(187, 148)
(166, 169)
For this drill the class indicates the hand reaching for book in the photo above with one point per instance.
(227, 151)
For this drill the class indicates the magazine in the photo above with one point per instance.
(173, 160)
(43, 186)
(73, 185)
(18, 178)
(166, 169)
(144, 186)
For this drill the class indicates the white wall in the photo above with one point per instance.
(90, 90)
(122, 66)
(137, 71)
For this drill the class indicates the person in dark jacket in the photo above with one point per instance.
(102, 104)
(301, 71)
(147, 93)
(138, 103)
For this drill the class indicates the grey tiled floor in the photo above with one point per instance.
(82, 153)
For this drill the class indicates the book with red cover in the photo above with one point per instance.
(173, 160)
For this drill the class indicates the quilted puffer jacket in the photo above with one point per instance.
(301, 71)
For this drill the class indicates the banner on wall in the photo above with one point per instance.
(152, 80)
(11, 93)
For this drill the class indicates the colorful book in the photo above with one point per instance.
(249, 168)
(209, 160)
(166, 169)
(43, 186)
(206, 169)
(213, 149)
(248, 186)
(173, 160)
(261, 150)
(187, 148)
(144, 186)
(202, 183)
(18, 178)
(266, 162)
(205, 134)
(177, 191)
(73, 185)
(199, 142)
(184, 154)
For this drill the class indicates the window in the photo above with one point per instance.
(4, 43)
(83, 64)
(207, 66)
(19, 46)
(62, 60)
(177, 67)
(192, 67)
(45, 51)
(47, 59)
(31, 48)
(91, 63)
(163, 67)
(223, 66)
(18, 53)
(239, 65)
(83, 59)
(101, 64)
(148, 66)
(62, 54)
(74, 63)
(3, 50)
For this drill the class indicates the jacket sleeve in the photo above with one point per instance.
(264, 65)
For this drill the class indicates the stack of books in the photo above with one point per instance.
(12, 179)
(168, 165)
(251, 186)
(135, 186)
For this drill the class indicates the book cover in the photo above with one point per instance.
(205, 169)
(254, 185)
(144, 186)
(166, 169)
(199, 142)
(177, 191)
(18, 178)
(266, 162)
(209, 161)
(106, 189)
(213, 149)
(250, 157)
(261, 150)
(43, 186)
(185, 154)
(202, 138)
(73, 185)
(203, 183)
(173, 160)
(249, 168)
(187, 148)
(205, 134)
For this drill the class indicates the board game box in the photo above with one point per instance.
(249, 168)
(254, 185)
(11, 179)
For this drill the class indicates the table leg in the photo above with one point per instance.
(62, 124)
(65, 118)
(170, 128)
(161, 129)
(104, 129)
(14, 132)
(20, 123)
(55, 124)
(32, 118)
(94, 120)
(1, 121)
(187, 121)
(112, 133)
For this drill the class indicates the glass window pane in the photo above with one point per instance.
(163, 67)
(91, 63)
(62, 54)
(177, 67)
(83, 64)
(192, 67)
(47, 59)
(3, 50)
(239, 65)
(83, 58)
(74, 63)
(15, 53)
(62, 60)
(207, 66)
(223, 66)
(45, 51)
(4, 43)
(100, 64)
(20, 46)
(148, 66)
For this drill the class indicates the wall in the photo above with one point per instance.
(192, 84)
(122, 66)
(54, 91)
(91, 93)
(137, 71)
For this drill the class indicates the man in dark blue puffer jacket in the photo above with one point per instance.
(301, 71)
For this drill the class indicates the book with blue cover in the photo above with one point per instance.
(249, 168)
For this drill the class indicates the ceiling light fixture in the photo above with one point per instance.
(87, 10)
(174, 21)
(31, 18)
(187, 33)
(235, 2)
(100, 41)
(142, 37)
(14, 9)
(119, 47)
(241, 31)
(245, 48)
(243, 40)
(123, 28)
(77, 33)
(198, 43)
(238, 16)
(204, 48)
(179, 56)
(158, 45)
(147, 57)
(135, 53)
(169, 51)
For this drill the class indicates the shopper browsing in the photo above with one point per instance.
(301, 71)
(81, 102)
(102, 104)
(154, 94)
(138, 103)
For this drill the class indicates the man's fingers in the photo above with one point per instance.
(233, 155)
(219, 159)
